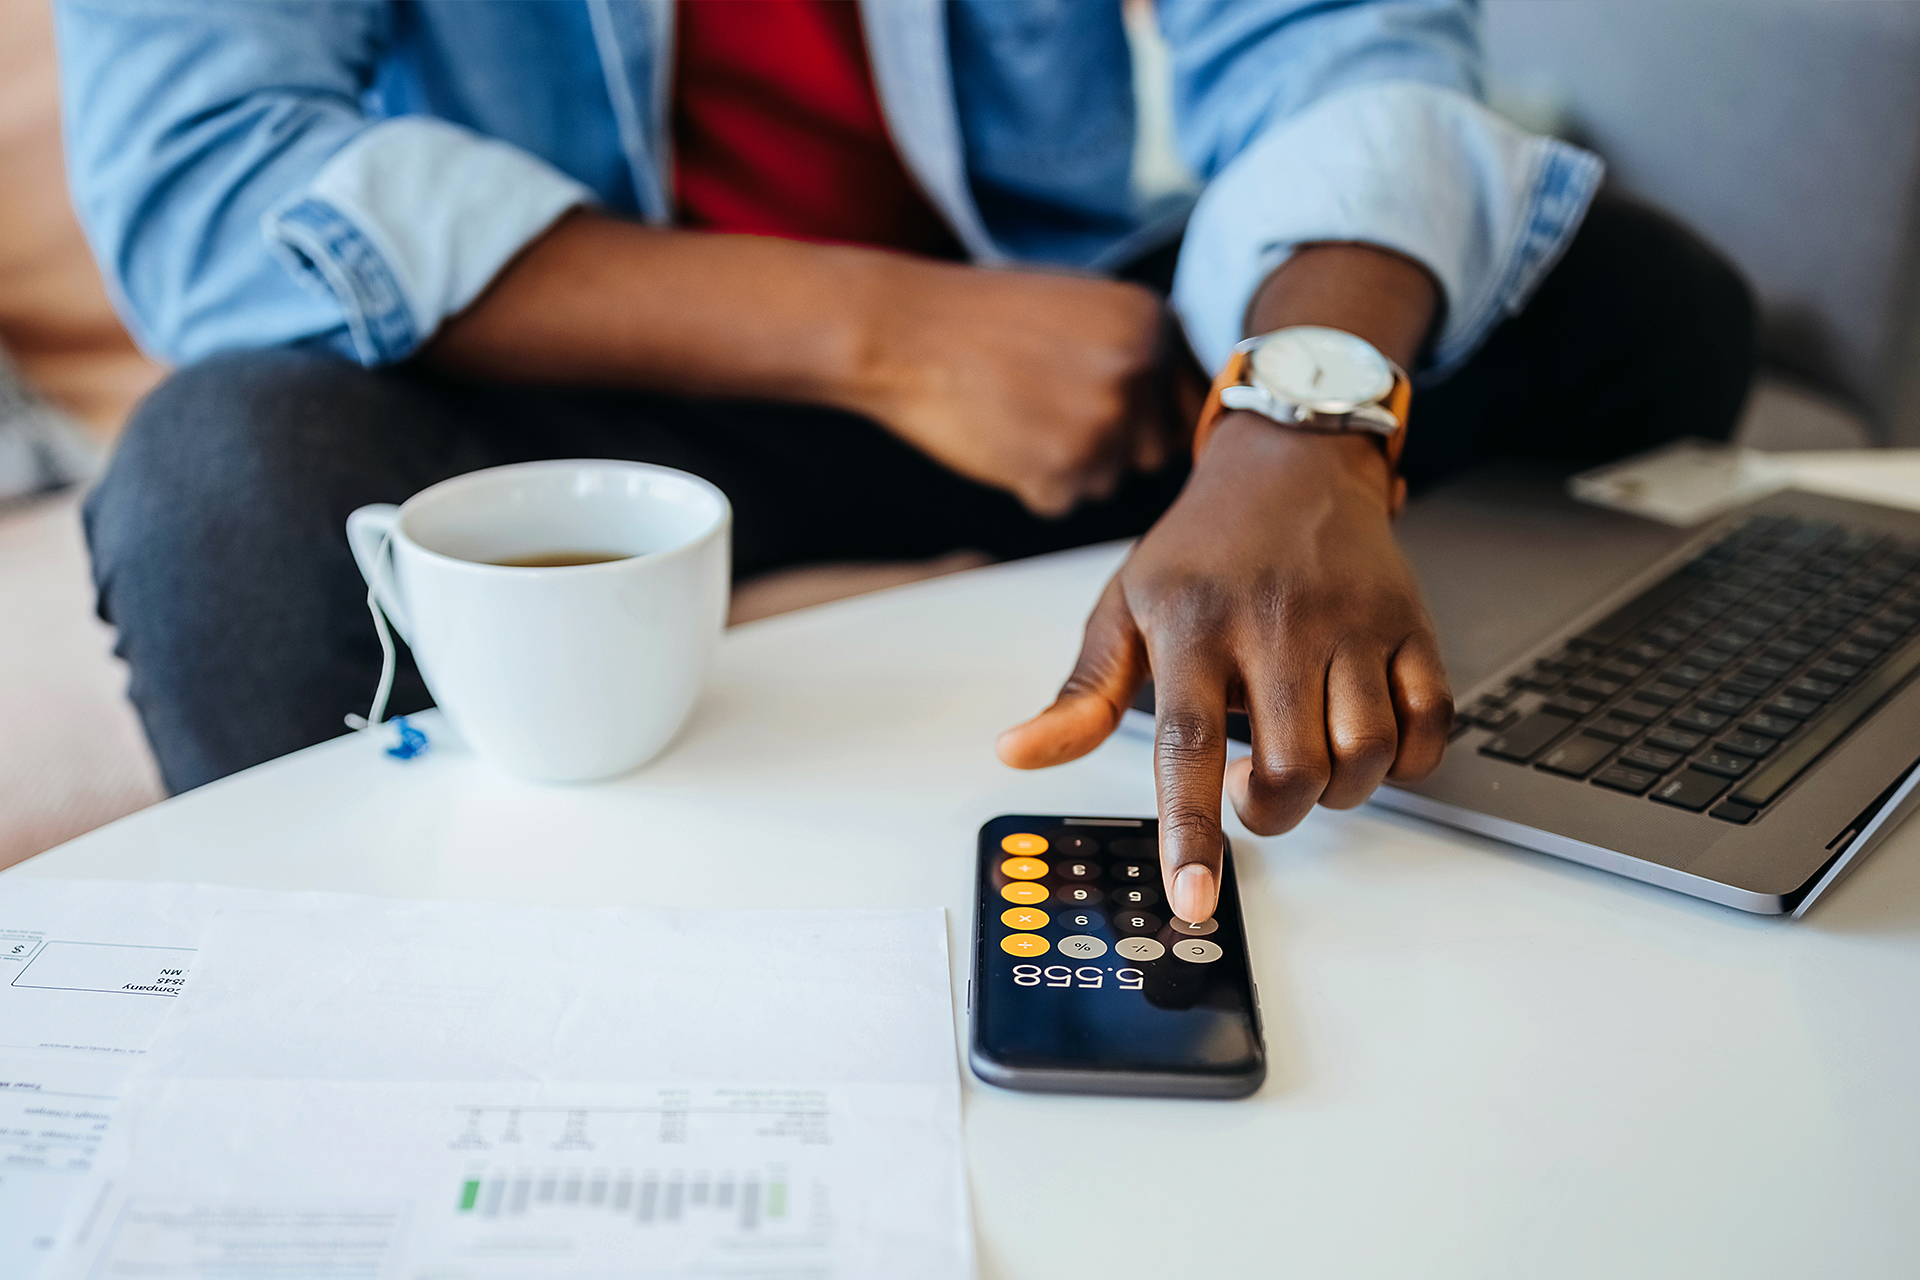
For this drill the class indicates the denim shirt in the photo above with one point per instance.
(254, 172)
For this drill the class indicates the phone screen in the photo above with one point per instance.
(1085, 982)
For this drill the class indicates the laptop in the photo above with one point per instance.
(1728, 711)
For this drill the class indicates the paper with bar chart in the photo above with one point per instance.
(434, 1091)
(405, 1182)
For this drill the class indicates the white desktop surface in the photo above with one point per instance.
(1485, 1062)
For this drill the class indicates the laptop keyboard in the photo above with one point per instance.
(1718, 686)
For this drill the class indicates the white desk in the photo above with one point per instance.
(1485, 1063)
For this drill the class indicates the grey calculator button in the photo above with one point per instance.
(1197, 951)
(1139, 949)
(1082, 947)
(1200, 930)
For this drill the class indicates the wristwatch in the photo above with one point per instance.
(1310, 378)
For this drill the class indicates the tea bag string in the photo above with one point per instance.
(412, 741)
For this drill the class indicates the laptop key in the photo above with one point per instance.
(1697, 718)
(1523, 741)
(1769, 725)
(1748, 744)
(1733, 811)
(1661, 694)
(1622, 778)
(1690, 789)
(1746, 685)
(1818, 690)
(1674, 739)
(1638, 711)
(1613, 728)
(1646, 757)
(1571, 707)
(1837, 673)
(1724, 763)
(1575, 757)
(1788, 705)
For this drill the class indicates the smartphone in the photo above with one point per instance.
(1083, 980)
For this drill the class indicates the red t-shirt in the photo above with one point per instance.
(777, 129)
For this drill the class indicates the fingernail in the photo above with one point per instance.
(1193, 893)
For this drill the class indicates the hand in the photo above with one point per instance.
(1047, 386)
(1273, 584)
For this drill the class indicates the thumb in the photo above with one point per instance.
(1113, 662)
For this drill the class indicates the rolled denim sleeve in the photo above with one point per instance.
(1359, 122)
(237, 192)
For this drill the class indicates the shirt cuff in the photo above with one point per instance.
(406, 224)
(1422, 170)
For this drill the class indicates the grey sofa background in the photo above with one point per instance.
(1786, 131)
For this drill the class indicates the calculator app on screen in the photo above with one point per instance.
(1084, 981)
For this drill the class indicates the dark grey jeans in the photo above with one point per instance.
(217, 534)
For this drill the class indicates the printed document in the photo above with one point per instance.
(88, 971)
(411, 1091)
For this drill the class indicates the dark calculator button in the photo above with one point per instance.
(1769, 725)
(1638, 711)
(1136, 895)
(1661, 694)
(1724, 763)
(1077, 870)
(1078, 895)
(1690, 789)
(1613, 729)
(1571, 707)
(1135, 922)
(1079, 921)
(1725, 701)
(1066, 846)
(1734, 811)
(1134, 872)
(1673, 739)
(1696, 718)
(1646, 757)
(1577, 756)
(1621, 778)
(1748, 744)
(1796, 708)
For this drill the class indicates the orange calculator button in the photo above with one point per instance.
(1023, 944)
(1024, 918)
(1024, 892)
(1023, 842)
(1023, 868)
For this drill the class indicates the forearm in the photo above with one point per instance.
(1389, 300)
(599, 301)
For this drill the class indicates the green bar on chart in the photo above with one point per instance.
(469, 1193)
(776, 1199)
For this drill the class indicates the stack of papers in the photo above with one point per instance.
(356, 1087)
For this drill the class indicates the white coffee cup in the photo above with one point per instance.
(560, 674)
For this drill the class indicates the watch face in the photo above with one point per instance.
(1326, 370)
